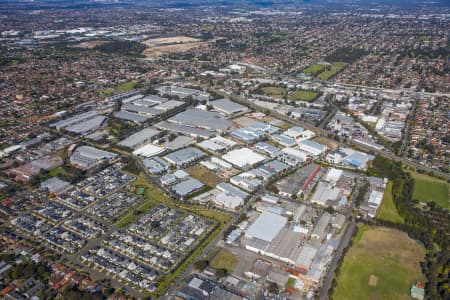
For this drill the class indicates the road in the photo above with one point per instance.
(345, 241)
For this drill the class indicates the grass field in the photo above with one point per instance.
(224, 259)
(387, 210)
(301, 95)
(204, 176)
(123, 87)
(274, 91)
(383, 263)
(314, 69)
(334, 69)
(427, 189)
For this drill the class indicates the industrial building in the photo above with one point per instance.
(86, 157)
(139, 138)
(201, 119)
(227, 107)
(312, 148)
(184, 157)
(243, 158)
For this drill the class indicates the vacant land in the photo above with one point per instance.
(160, 46)
(333, 70)
(204, 175)
(89, 45)
(387, 210)
(314, 69)
(383, 263)
(123, 87)
(302, 95)
(224, 259)
(170, 40)
(427, 189)
(327, 142)
(273, 91)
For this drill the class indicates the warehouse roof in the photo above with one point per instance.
(128, 116)
(139, 137)
(266, 227)
(227, 106)
(184, 156)
(187, 186)
(201, 119)
(243, 157)
(87, 125)
(148, 150)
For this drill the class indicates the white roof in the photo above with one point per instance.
(266, 227)
(296, 153)
(333, 175)
(148, 150)
(243, 157)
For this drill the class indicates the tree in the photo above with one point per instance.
(273, 288)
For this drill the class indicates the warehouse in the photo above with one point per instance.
(148, 150)
(128, 116)
(284, 140)
(243, 158)
(191, 131)
(169, 105)
(86, 157)
(267, 149)
(55, 185)
(183, 92)
(184, 156)
(75, 119)
(246, 181)
(88, 125)
(266, 227)
(227, 107)
(139, 138)
(201, 119)
(187, 187)
(311, 147)
(324, 194)
(217, 144)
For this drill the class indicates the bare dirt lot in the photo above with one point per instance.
(170, 40)
(203, 175)
(89, 45)
(160, 46)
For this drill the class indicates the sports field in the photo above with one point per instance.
(383, 263)
(334, 69)
(314, 69)
(427, 189)
(387, 210)
(302, 95)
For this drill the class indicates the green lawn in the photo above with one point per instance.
(427, 189)
(334, 69)
(383, 263)
(56, 171)
(123, 87)
(314, 69)
(301, 95)
(387, 210)
(153, 196)
(224, 259)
